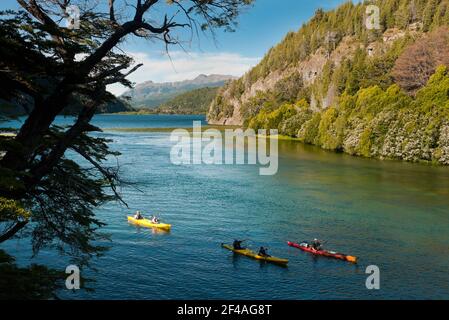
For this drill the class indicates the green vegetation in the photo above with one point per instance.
(382, 94)
(29, 283)
(374, 122)
(196, 101)
(327, 29)
(192, 102)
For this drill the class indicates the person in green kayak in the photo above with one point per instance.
(263, 252)
(237, 245)
(138, 215)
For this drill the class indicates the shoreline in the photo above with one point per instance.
(170, 129)
(135, 113)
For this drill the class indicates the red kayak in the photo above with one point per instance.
(304, 246)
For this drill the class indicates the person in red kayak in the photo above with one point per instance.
(316, 244)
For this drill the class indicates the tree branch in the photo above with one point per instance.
(13, 230)
(111, 11)
(81, 125)
(111, 177)
(34, 9)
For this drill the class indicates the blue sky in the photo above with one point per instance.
(260, 27)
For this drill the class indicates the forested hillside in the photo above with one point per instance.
(336, 84)
(192, 102)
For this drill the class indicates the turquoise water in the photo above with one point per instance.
(391, 214)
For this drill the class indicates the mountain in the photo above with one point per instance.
(196, 101)
(150, 94)
(336, 84)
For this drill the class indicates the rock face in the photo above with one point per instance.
(150, 94)
(310, 70)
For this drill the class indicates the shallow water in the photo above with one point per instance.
(391, 214)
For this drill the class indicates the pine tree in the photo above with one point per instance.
(440, 13)
(428, 14)
(403, 15)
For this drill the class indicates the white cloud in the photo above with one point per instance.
(184, 66)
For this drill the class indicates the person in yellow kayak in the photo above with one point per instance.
(237, 245)
(138, 215)
(263, 252)
(154, 220)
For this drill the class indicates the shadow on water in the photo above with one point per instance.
(237, 262)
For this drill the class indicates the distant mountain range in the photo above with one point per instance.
(151, 95)
(172, 97)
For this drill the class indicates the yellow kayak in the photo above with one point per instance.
(254, 255)
(148, 224)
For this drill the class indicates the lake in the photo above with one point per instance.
(391, 214)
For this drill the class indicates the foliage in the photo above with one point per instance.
(375, 122)
(35, 282)
(328, 28)
(193, 102)
(321, 35)
(273, 119)
(290, 125)
(308, 133)
(328, 137)
(380, 100)
(418, 62)
(12, 210)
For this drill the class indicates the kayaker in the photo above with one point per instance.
(138, 215)
(316, 244)
(237, 245)
(154, 220)
(263, 252)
